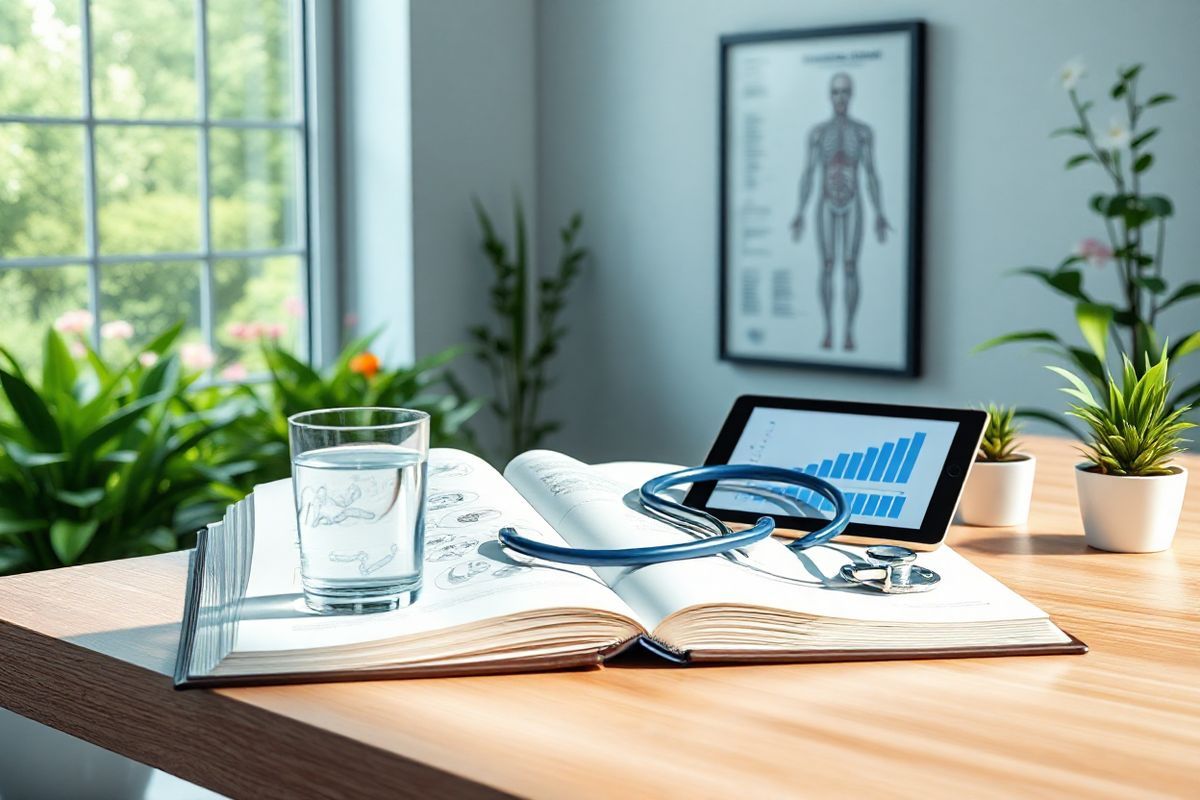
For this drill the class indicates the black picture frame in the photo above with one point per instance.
(910, 363)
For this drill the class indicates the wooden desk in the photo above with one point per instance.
(88, 650)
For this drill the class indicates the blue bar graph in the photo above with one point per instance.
(839, 466)
(889, 463)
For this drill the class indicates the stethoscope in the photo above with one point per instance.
(889, 568)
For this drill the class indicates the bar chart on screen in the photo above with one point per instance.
(873, 478)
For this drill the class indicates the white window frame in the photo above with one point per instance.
(316, 232)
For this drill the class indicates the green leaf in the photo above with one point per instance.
(1080, 390)
(84, 498)
(1023, 336)
(1143, 137)
(1074, 130)
(1182, 293)
(1065, 281)
(70, 538)
(1151, 283)
(1143, 163)
(31, 411)
(159, 344)
(1130, 73)
(1158, 205)
(58, 368)
(14, 522)
(117, 422)
(1190, 344)
(1093, 320)
(1082, 158)
(1118, 90)
(1159, 99)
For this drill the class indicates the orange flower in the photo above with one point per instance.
(365, 364)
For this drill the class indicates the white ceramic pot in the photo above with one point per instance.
(997, 493)
(37, 762)
(1126, 514)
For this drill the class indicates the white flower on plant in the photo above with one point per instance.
(148, 359)
(1072, 72)
(77, 321)
(1116, 135)
(1096, 252)
(117, 329)
(235, 372)
(76, 348)
(197, 356)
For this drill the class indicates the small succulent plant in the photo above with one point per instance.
(1135, 431)
(1000, 439)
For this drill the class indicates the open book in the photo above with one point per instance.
(483, 609)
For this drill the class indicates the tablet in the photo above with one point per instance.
(901, 468)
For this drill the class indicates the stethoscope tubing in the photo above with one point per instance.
(722, 540)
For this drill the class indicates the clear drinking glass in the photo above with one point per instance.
(359, 479)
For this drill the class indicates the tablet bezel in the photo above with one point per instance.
(942, 504)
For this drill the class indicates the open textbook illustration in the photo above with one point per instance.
(483, 609)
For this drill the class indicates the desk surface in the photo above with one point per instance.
(88, 650)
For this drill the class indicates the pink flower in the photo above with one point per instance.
(78, 321)
(76, 348)
(271, 330)
(197, 356)
(242, 331)
(1095, 251)
(117, 329)
(235, 372)
(147, 359)
(294, 307)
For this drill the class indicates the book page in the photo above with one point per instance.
(598, 507)
(467, 576)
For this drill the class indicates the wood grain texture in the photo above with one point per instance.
(88, 650)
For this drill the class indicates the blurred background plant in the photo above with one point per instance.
(999, 441)
(357, 378)
(100, 462)
(104, 458)
(1135, 230)
(519, 347)
(1133, 430)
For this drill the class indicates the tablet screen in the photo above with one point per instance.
(888, 467)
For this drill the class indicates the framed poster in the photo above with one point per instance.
(820, 210)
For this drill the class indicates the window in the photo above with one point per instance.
(153, 169)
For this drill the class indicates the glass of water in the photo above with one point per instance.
(359, 480)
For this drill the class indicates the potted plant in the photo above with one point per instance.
(1000, 485)
(1130, 492)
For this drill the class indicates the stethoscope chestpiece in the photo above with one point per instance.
(891, 570)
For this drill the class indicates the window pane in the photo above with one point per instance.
(254, 188)
(41, 190)
(147, 190)
(39, 58)
(31, 300)
(144, 59)
(151, 297)
(252, 64)
(255, 299)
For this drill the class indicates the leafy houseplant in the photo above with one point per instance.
(101, 462)
(1130, 492)
(517, 352)
(1135, 228)
(1000, 485)
(357, 378)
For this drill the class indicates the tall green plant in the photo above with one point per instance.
(518, 348)
(100, 462)
(1133, 431)
(1135, 231)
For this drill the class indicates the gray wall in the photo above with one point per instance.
(627, 132)
(474, 126)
